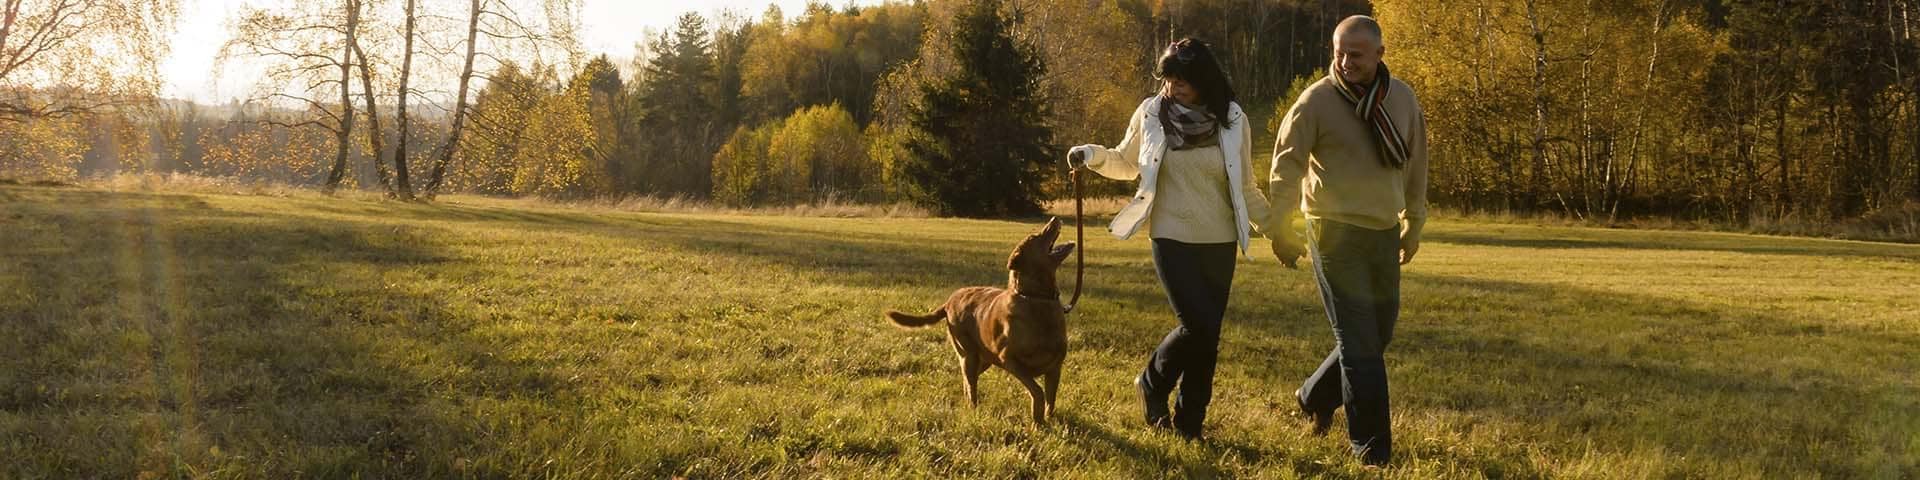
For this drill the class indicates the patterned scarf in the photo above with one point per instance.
(1370, 105)
(1187, 127)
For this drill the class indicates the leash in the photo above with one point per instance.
(1080, 241)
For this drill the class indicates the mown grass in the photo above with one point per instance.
(228, 336)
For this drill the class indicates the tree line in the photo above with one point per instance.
(1729, 110)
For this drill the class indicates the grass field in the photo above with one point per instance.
(158, 335)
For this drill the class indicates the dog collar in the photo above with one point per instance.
(1055, 298)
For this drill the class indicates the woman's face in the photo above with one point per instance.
(1182, 91)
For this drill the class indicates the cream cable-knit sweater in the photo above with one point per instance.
(1142, 152)
(1193, 206)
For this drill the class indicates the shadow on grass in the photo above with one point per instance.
(1710, 386)
(1707, 384)
(1668, 241)
(161, 335)
(456, 212)
(1092, 436)
(155, 327)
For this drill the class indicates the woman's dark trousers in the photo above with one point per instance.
(1197, 278)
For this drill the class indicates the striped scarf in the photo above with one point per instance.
(1187, 127)
(1370, 105)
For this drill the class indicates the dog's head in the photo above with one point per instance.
(1035, 259)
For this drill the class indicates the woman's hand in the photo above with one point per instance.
(1077, 156)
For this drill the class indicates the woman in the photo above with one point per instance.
(1190, 147)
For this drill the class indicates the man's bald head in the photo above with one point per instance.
(1357, 49)
(1358, 25)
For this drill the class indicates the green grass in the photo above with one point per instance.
(201, 335)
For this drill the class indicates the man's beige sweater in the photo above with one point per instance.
(1327, 152)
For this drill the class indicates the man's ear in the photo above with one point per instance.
(1060, 252)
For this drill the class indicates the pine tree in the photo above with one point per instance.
(982, 140)
(679, 122)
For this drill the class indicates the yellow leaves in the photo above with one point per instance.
(554, 156)
(740, 168)
(255, 151)
(78, 55)
(1086, 57)
(45, 149)
(887, 150)
(818, 152)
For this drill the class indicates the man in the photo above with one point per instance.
(1357, 142)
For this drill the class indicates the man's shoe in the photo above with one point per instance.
(1190, 435)
(1322, 422)
(1157, 415)
(1187, 424)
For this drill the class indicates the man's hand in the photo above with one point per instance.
(1288, 250)
(1408, 246)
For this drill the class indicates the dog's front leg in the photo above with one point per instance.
(1039, 398)
(1053, 389)
(970, 369)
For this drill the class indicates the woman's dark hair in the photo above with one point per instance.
(1191, 60)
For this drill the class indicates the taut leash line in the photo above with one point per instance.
(1080, 241)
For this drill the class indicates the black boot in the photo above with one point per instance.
(1187, 422)
(1156, 404)
(1321, 421)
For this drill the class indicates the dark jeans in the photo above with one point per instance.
(1197, 278)
(1359, 274)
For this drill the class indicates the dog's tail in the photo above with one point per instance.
(914, 321)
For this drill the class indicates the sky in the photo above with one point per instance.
(608, 26)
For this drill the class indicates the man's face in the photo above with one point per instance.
(1356, 56)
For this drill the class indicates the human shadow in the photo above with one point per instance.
(1735, 386)
(1091, 435)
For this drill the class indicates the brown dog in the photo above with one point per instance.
(1021, 329)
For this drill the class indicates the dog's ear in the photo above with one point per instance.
(1060, 253)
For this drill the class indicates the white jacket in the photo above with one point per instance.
(1139, 154)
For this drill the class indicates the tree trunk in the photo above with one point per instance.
(1913, 148)
(1836, 154)
(345, 132)
(1293, 37)
(1897, 52)
(402, 185)
(1538, 175)
(1613, 190)
(446, 150)
(1913, 94)
(1502, 154)
(1588, 158)
(1783, 195)
(375, 138)
(1745, 143)
(1850, 196)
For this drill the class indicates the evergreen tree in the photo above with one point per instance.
(679, 123)
(982, 140)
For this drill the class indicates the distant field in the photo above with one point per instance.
(149, 335)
